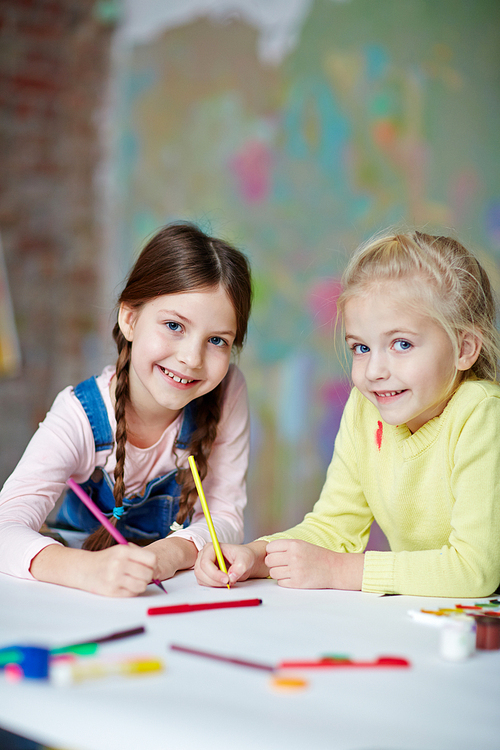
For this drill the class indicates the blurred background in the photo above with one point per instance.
(293, 128)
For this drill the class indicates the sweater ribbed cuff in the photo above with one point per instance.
(378, 572)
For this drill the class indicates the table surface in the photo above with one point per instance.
(201, 703)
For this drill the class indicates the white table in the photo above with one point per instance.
(203, 704)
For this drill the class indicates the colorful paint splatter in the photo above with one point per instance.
(299, 159)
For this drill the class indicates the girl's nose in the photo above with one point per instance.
(376, 369)
(190, 354)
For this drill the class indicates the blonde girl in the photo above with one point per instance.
(125, 435)
(418, 449)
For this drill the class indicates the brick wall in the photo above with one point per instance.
(54, 67)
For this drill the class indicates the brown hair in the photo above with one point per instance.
(454, 288)
(178, 258)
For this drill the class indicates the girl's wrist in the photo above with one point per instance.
(259, 568)
(351, 571)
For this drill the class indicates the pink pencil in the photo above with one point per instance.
(86, 500)
(176, 609)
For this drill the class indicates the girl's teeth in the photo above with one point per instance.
(392, 393)
(176, 378)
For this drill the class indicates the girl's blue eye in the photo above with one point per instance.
(173, 326)
(401, 345)
(217, 341)
(360, 349)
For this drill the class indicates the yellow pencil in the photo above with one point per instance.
(204, 505)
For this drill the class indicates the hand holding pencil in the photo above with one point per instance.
(89, 503)
(208, 517)
(245, 561)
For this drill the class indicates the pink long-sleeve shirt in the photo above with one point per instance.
(63, 447)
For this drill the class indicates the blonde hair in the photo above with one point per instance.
(454, 288)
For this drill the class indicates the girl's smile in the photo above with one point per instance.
(386, 396)
(403, 361)
(181, 381)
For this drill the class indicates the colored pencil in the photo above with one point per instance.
(176, 609)
(206, 511)
(101, 639)
(219, 657)
(86, 500)
(329, 663)
(118, 635)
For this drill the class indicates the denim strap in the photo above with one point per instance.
(188, 426)
(90, 397)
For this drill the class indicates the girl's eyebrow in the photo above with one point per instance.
(174, 312)
(400, 332)
(388, 334)
(187, 320)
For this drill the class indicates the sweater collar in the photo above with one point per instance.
(413, 444)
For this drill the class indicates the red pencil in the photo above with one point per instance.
(175, 609)
(329, 663)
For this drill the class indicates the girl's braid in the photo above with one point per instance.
(121, 398)
(101, 538)
(207, 418)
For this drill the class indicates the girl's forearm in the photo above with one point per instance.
(64, 566)
(70, 567)
(120, 570)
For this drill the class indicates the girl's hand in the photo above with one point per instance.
(121, 570)
(245, 561)
(301, 565)
(172, 554)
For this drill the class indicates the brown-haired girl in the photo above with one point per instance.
(125, 435)
(418, 448)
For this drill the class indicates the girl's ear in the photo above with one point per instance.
(126, 320)
(470, 348)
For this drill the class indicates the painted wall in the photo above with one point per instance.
(296, 130)
(54, 69)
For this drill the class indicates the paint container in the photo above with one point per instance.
(458, 638)
(22, 661)
(488, 633)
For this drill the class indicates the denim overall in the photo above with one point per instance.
(146, 517)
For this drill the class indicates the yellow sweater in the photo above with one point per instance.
(435, 494)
